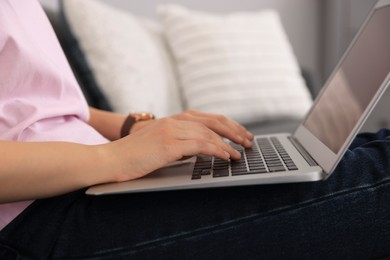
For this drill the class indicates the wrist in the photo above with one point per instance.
(108, 168)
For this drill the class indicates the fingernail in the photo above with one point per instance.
(227, 155)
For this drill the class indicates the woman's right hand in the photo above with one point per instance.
(161, 142)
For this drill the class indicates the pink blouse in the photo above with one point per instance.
(40, 99)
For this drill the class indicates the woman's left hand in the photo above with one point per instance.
(220, 124)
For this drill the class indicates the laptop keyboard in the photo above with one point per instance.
(268, 156)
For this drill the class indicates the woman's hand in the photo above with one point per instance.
(220, 124)
(162, 141)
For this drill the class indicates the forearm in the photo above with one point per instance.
(106, 123)
(39, 170)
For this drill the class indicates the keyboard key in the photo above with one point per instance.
(205, 172)
(220, 172)
(196, 176)
(276, 168)
(250, 172)
(242, 172)
(261, 170)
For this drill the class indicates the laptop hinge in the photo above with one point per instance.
(302, 151)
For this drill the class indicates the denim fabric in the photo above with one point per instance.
(344, 217)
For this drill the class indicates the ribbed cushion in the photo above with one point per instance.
(241, 65)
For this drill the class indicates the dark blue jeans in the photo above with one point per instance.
(344, 217)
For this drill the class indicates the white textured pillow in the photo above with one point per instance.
(128, 57)
(241, 65)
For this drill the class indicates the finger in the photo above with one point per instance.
(199, 132)
(223, 126)
(225, 120)
(194, 147)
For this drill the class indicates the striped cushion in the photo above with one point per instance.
(241, 65)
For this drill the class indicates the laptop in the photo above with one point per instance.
(313, 151)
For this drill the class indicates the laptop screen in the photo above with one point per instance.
(354, 83)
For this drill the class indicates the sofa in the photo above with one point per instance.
(245, 66)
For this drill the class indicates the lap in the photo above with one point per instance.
(341, 217)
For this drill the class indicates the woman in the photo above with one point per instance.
(53, 147)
